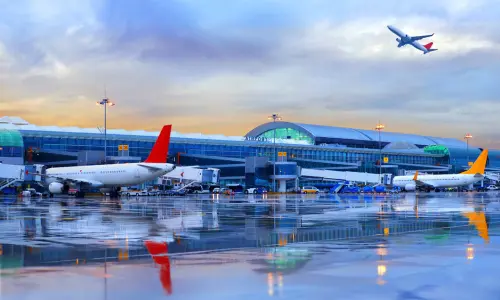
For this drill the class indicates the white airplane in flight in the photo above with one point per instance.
(403, 40)
(428, 182)
(111, 177)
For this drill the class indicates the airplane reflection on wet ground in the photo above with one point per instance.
(406, 246)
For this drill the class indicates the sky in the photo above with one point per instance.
(222, 67)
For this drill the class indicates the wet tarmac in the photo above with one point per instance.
(408, 246)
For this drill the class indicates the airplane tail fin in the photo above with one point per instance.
(428, 48)
(415, 176)
(479, 165)
(160, 149)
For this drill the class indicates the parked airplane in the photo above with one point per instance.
(428, 182)
(404, 39)
(111, 177)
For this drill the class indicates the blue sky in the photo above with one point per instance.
(223, 66)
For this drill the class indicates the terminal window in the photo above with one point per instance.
(288, 133)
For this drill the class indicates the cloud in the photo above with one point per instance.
(369, 39)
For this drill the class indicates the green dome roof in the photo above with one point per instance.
(10, 138)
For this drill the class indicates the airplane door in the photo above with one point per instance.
(137, 174)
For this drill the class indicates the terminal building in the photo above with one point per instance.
(280, 148)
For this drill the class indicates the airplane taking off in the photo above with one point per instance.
(404, 39)
(111, 177)
(428, 182)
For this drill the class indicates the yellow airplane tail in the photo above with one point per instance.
(479, 165)
(479, 220)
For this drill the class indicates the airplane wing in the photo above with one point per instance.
(92, 183)
(150, 167)
(419, 37)
(420, 183)
(73, 180)
(423, 184)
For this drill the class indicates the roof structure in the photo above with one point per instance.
(333, 132)
(17, 123)
(400, 146)
(314, 131)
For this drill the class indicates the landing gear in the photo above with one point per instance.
(115, 193)
(80, 194)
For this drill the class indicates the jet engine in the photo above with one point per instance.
(410, 187)
(58, 188)
(398, 40)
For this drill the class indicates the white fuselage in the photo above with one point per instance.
(112, 175)
(419, 46)
(405, 39)
(438, 181)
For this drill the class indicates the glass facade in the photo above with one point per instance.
(11, 144)
(10, 137)
(494, 159)
(366, 160)
(287, 134)
(189, 151)
(87, 142)
(185, 151)
(459, 158)
(287, 169)
(9, 151)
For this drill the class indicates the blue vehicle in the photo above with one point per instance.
(396, 190)
(368, 189)
(379, 189)
(351, 189)
(256, 190)
(345, 188)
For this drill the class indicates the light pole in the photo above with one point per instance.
(105, 102)
(274, 117)
(379, 128)
(467, 137)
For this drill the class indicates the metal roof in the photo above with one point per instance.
(333, 132)
(17, 123)
(314, 131)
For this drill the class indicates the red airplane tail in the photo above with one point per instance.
(428, 46)
(160, 149)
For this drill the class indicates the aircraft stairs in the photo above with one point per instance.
(6, 182)
(10, 174)
(337, 188)
(188, 185)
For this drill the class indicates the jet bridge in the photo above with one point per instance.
(346, 176)
(492, 176)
